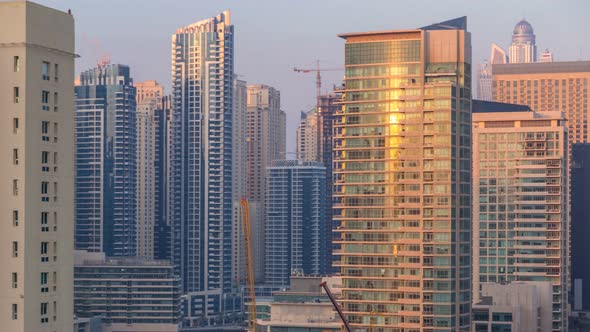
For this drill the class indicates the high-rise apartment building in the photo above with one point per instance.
(201, 172)
(520, 207)
(37, 201)
(523, 48)
(266, 141)
(546, 56)
(239, 180)
(150, 89)
(146, 179)
(580, 227)
(548, 86)
(402, 179)
(484, 72)
(105, 178)
(307, 137)
(163, 247)
(296, 234)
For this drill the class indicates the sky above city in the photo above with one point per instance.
(273, 36)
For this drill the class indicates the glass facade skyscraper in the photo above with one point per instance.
(201, 170)
(402, 179)
(105, 173)
(296, 223)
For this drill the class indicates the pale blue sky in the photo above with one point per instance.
(272, 36)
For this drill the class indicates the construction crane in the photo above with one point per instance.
(247, 234)
(324, 285)
(318, 78)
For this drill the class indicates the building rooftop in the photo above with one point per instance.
(541, 67)
(483, 106)
(459, 23)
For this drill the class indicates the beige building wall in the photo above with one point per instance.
(307, 137)
(150, 89)
(146, 177)
(37, 165)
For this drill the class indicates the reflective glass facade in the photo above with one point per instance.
(402, 180)
(105, 181)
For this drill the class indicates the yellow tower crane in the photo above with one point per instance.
(247, 235)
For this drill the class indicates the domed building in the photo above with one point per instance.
(523, 48)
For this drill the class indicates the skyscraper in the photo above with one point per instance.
(523, 48)
(307, 137)
(148, 90)
(484, 72)
(580, 227)
(201, 170)
(105, 176)
(520, 199)
(265, 139)
(146, 179)
(295, 221)
(163, 247)
(402, 179)
(37, 201)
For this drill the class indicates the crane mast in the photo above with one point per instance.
(246, 233)
(324, 285)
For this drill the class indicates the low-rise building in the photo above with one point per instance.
(129, 294)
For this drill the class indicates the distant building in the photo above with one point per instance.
(523, 48)
(266, 141)
(129, 294)
(514, 307)
(105, 161)
(163, 246)
(546, 56)
(484, 72)
(148, 90)
(37, 165)
(303, 307)
(201, 199)
(146, 180)
(296, 224)
(520, 209)
(307, 137)
(580, 228)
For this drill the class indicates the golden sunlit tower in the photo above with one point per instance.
(402, 172)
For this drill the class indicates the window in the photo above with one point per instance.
(44, 161)
(55, 221)
(15, 125)
(15, 187)
(15, 218)
(54, 310)
(14, 311)
(55, 251)
(14, 280)
(55, 131)
(56, 71)
(15, 93)
(54, 286)
(44, 318)
(15, 156)
(44, 187)
(45, 131)
(44, 249)
(45, 71)
(16, 63)
(44, 221)
(45, 100)
(55, 191)
(44, 288)
(14, 249)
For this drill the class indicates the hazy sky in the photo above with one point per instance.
(273, 36)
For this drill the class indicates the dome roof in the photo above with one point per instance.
(523, 28)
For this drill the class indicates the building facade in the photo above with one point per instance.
(484, 72)
(105, 178)
(580, 228)
(37, 201)
(150, 89)
(520, 209)
(402, 179)
(266, 141)
(307, 137)
(163, 247)
(129, 294)
(146, 179)
(523, 48)
(201, 170)
(295, 229)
